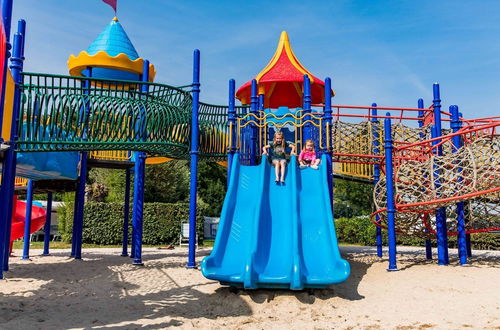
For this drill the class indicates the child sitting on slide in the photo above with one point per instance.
(307, 156)
(278, 156)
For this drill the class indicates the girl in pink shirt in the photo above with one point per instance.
(307, 156)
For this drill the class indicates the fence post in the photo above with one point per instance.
(376, 170)
(195, 131)
(391, 207)
(441, 230)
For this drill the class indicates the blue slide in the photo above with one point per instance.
(276, 236)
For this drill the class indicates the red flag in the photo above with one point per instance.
(112, 3)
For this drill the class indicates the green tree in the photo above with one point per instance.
(212, 186)
(352, 198)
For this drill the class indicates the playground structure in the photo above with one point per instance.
(423, 175)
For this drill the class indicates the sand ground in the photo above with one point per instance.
(104, 290)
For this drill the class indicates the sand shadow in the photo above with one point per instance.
(162, 304)
(347, 290)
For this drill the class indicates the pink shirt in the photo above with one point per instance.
(307, 155)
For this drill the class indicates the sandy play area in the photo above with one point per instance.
(105, 291)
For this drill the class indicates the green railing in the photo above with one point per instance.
(65, 113)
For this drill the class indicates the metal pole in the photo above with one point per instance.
(254, 104)
(231, 118)
(126, 213)
(139, 180)
(306, 99)
(376, 172)
(4, 193)
(195, 131)
(421, 114)
(328, 134)
(82, 178)
(7, 17)
(46, 228)
(391, 207)
(467, 236)
(27, 221)
(261, 101)
(9, 161)
(455, 125)
(441, 230)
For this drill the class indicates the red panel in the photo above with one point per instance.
(3, 41)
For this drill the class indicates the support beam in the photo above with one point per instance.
(46, 228)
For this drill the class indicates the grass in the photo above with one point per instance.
(62, 245)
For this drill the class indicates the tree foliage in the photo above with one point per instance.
(352, 198)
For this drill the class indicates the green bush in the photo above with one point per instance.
(361, 230)
(103, 222)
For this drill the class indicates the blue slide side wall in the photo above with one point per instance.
(276, 236)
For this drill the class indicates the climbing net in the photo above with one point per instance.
(439, 174)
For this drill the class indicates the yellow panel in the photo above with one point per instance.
(117, 155)
(8, 105)
(223, 163)
(157, 160)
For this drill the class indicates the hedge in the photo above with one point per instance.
(103, 222)
(360, 230)
(102, 225)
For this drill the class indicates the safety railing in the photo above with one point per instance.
(80, 114)
(261, 125)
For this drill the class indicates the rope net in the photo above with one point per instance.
(470, 174)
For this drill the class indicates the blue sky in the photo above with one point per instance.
(389, 52)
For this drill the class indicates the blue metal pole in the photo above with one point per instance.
(80, 192)
(306, 100)
(46, 228)
(27, 221)
(138, 207)
(79, 208)
(139, 180)
(254, 107)
(195, 131)
(455, 125)
(376, 171)
(231, 118)
(391, 206)
(126, 213)
(9, 161)
(327, 116)
(441, 230)
(421, 114)
(467, 236)
(74, 228)
(7, 17)
(261, 101)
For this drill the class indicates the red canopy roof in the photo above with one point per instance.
(282, 79)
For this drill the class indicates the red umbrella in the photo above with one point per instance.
(282, 79)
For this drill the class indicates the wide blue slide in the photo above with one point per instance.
(276, 236)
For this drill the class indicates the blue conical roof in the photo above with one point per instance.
(113, 40)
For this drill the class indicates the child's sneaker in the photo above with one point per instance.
(314, 167)
(303, 166)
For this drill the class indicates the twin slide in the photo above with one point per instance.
(276, 236)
